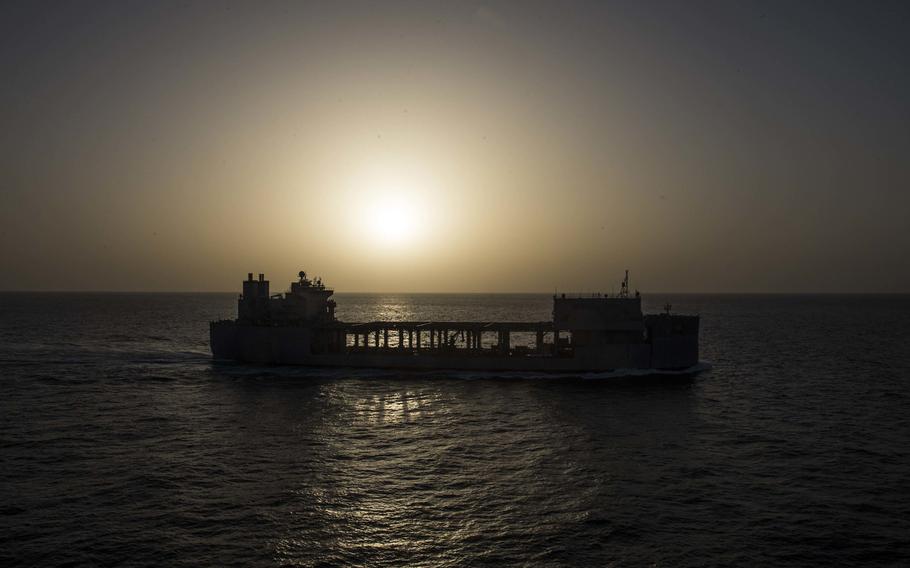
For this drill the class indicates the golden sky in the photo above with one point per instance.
(459, 147)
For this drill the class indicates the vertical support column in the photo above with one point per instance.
(400, 338)
(555, 342)
(539, 339)
(385, 338)
(505, 339)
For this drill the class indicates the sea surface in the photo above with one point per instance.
(122, 443)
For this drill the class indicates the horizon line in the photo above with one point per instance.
(574, 294)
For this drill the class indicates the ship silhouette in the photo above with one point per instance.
(586, 334)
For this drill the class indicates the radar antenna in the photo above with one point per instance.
(624, 289)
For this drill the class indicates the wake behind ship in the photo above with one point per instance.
(599, 333)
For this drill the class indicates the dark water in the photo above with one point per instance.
(122, 443)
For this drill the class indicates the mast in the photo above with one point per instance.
(624, 289)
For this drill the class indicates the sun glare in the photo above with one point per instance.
(393, 206)
(396, 210)
(392, 220)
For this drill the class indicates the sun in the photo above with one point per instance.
(394, 212)
(392, 220)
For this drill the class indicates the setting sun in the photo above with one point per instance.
(392, 220)
(394, 203)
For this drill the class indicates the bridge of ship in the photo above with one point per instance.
(463, 337)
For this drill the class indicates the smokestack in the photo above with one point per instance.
(249, 276)
(261, 277)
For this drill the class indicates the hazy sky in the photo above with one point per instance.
(456, 146)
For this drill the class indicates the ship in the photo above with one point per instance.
(595, 333)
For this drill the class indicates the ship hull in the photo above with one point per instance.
(291, 345)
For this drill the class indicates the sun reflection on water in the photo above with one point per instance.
(370, 484)
(393, 408)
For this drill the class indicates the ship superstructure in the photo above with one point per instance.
(598, 333)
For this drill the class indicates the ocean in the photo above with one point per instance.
(122, 443)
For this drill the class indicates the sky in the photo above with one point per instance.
(456, 146)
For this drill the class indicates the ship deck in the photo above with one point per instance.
(463, 336)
